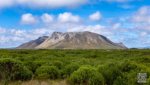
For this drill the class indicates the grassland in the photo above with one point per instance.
(74, 67)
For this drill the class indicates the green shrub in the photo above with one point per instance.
(129, 72)
(69, 69)
(128, 66)
(31, 65)
(47, 72)
(58, 64)
(110, 72)
(86, 75)
(11, 69)
(24, 74)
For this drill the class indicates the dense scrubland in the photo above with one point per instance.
(74, 67)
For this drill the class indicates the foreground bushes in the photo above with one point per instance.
(129, 72)
(109, 67)
(110, 72)
(47, 72)
(13, 70)
(86, 75)
(69, 69)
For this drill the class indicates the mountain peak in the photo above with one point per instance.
(75, 40)
(43, 37)
(56, 35)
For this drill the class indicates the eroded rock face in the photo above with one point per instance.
(32, 44)
(73, 40)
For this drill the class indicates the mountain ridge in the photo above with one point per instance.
(72, 40)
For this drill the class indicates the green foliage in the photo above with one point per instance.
(58, 64)
(32, 65)
(24, 74)
(47, 72)
(69, 69)
(86, 75)
(113, 67)
(11, 69)
(110, 72)
(129, 72)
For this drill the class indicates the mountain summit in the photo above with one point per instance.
(72, 40)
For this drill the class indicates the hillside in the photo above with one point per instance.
(72, 40)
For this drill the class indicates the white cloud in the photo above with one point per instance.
(95, 16)
(14, 37)
(142, 15)
(92, 28)
(68, 17)
(41, 3)
(17, 32)
(51, 3)
(28, 19)
(116, 26)
(141, 19)
(6, 3)
(2, 31)
(46, 18)
(144, 34)
(42, 31)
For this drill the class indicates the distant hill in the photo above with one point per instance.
(72, 40)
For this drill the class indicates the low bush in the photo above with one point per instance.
(11, 69)
(69, 69)
(31, 65)
(47, 72)
(129, 73)
(110, 72)
(86, 75)
(24, 74)
(58, 64)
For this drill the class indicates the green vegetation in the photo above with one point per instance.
(87, 75)
(47, 72)
(13, 70)
(77, 67)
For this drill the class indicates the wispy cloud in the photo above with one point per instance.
(41, 3)
(14, 37)
(142, 15)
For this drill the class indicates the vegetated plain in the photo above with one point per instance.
(74, 67)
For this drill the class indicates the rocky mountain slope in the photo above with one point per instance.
(72, 40)
(32, 44)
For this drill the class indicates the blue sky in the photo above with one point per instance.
(126, 21)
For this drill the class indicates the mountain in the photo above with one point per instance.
(32, 44)
(121, 44)
(72, 40)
